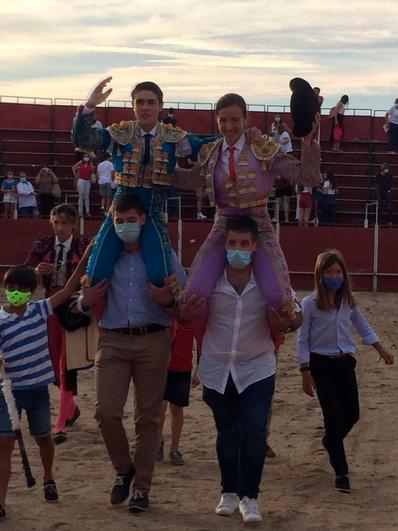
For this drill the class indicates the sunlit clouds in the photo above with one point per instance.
(199, 50)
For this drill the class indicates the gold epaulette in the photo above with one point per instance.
(264, 149)
(171, 134)
(122, 132)
(206, 151)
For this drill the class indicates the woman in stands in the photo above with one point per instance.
(45, 181)
(84, 173)
(337, 115)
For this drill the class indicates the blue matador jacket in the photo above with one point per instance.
(152, 183)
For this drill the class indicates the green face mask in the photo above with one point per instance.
(18, 298)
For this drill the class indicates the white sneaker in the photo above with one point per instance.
(249, 511)
(229, 502)
(200, 215)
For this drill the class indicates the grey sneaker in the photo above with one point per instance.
(176, 458)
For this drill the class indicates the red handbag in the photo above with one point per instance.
(337, 133)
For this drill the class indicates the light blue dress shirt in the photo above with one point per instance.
(129, 302)
(329, 332)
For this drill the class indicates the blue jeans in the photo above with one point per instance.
(241, 422)
(36, 403)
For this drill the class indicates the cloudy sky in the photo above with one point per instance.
(199, 50)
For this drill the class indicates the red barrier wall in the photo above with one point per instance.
(25, 116)
(300, 245)
(30, 116)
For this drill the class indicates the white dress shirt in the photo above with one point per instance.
(237, 340)
(183, 148)
(239, 144)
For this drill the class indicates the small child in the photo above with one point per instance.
(326, 355)
(24, 347)
(10, 198)
(177, 390)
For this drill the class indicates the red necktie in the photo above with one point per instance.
(231, 163)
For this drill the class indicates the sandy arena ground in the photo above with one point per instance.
(296, 492)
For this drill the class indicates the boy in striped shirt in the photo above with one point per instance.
(24, 349)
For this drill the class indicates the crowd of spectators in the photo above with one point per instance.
(37, 196)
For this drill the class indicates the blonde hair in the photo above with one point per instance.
(323, 262)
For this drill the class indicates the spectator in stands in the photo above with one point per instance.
(391, 117)
(305, 204)
(384, 193)
(45, 181)
(284, 138)
(274, 127)
(27, 203)
(200, 194)
(283, 193)
(10, 198)
(170, 118)
(84, 174)
(317, 91)
(105, 176)
(329, 191)
(337, 116)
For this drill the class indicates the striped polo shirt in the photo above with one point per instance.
(24, 346)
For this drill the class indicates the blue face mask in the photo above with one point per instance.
(333, 283)
(128, 232)
(238, 259)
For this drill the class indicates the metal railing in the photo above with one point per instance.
(271, 108)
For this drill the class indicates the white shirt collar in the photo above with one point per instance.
(227, 286)
(238, 144)
(67, 243)
(152, 132)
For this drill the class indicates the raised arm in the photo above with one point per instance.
(305, 172)
(83, 135)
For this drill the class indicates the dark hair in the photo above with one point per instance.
(344, 99)
(65, 210)
(323, 262)
(22, 276)
(231, 99)
(332, 179)
(242, 224)
(127, 201)
(171, 109)
(317, 88)
(148, 85)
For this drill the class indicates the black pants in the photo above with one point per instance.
(385, 209)
(47, 203)
(393, 132)
(337, 390)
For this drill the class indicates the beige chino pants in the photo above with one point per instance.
(144, 361)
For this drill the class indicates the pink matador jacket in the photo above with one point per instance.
(259, 164)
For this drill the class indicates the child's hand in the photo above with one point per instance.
(387, 357)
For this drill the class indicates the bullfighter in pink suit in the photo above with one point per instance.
(239, 177)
